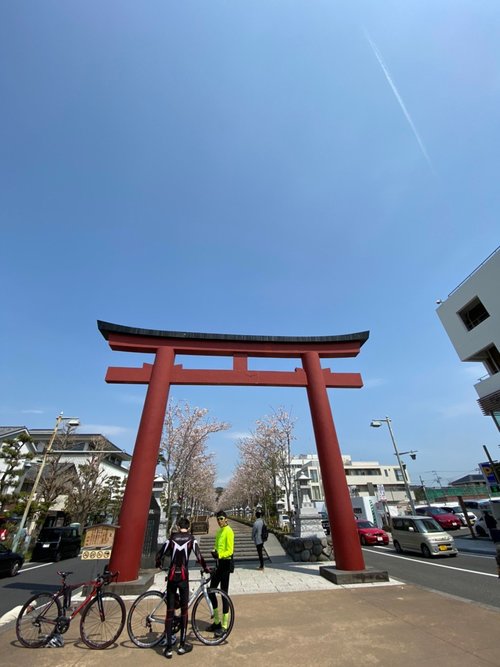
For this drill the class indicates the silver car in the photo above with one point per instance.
(422, 534)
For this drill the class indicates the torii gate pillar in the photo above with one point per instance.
(127, 547)
(340, 512)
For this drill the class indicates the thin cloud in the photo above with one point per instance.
(33, 412)
(237, 435)
(474, 371)
(105, 429)
(463, 409)
(374, 382)
(131, 399)
(399, 99)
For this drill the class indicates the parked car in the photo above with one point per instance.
(421, 534)
(57, 543)
(446, 520)
(370, 534)
(458, 512)
(7, 526)
(10, 562)
(4, 531)
(481, 529)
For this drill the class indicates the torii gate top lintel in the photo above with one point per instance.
(133, 339)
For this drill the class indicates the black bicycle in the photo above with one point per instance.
(46, 614)
(146, 618)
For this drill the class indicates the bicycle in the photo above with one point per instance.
(45, 614)
(146, 618)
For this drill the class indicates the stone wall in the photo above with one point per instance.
(308, 549)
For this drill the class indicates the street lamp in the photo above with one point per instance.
(376, 423)
(72, 422)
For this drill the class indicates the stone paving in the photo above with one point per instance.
(289, 614)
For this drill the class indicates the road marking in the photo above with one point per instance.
(426, 562)
(35, 567)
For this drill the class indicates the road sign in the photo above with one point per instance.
(96, 554)
(489, 473)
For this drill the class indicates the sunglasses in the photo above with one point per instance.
(221, 518)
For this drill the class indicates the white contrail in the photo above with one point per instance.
(378, 56)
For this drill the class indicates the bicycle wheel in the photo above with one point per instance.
(102, 621)
(36, 622)
(146, 619)
(202, 617)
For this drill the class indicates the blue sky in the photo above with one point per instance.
(267, 167)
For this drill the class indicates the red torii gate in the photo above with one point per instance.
(166, 345)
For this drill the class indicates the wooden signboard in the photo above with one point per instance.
(98, 542)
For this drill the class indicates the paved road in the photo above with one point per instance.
(35, 577)
(469, 576)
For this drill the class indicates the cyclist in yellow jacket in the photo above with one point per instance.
(223, 554)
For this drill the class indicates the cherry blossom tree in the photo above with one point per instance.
(188, 468)
(263, 473)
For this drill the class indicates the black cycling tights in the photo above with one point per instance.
(183, 588)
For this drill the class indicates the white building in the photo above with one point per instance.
(364, 478)
(471, 318)
(77, 451)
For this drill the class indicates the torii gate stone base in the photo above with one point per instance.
(166, 346)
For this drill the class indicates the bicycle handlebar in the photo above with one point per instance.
(106, 577)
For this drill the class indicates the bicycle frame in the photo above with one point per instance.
(193, 596)
(102, 614)
(202, 589)
(147, 618)
(65, 593)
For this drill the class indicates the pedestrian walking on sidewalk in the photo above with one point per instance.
(223, 554)
(257, 537)
(179, 547)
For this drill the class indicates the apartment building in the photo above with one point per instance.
(364, 478)
(471, 318)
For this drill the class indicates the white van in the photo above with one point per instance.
(422, 534)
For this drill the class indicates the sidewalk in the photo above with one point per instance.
(480, 545)
(290, 615)
(375, 624)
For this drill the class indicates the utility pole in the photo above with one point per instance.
(424, 490)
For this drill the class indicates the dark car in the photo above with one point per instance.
(325, 523)
(57, 543)
(10, 562)
(446, 520)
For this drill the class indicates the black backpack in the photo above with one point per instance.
(264, 532)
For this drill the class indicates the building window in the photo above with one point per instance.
(496, 417)
(315, 493)
(492, 359)
(314, 474)
(399, 475)
(473, 314)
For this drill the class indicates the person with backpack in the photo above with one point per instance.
(179, 548)
(259, 536)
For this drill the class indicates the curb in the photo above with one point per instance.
(9, 618)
